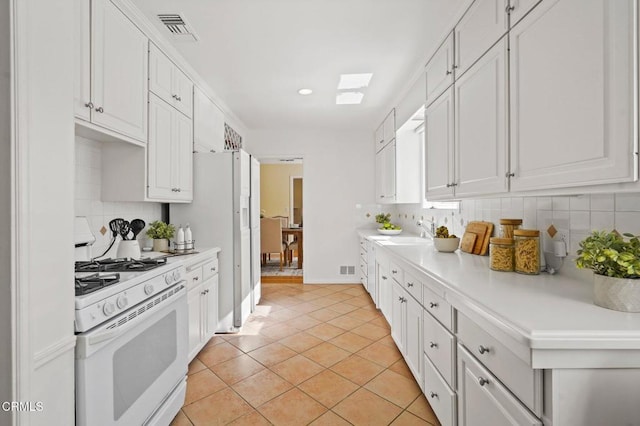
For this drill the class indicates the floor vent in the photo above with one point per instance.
(347, 270)
(177, 26)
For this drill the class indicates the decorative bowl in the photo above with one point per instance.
(446, 245)
(389, 231)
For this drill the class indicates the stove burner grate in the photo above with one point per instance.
(94, 282)
(120, 265)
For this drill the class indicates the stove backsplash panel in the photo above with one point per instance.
(88, 199)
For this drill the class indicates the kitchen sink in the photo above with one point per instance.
(403, 241)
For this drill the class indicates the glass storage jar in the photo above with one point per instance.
(527, 251)
(507, 226)
(501, 254)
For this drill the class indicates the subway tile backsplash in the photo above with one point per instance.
(99, 213)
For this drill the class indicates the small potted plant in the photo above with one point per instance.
(445, 242)
(161, 233)
(615, 262)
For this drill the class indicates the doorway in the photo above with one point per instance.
(281, 198)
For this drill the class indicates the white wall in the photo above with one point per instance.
(338, 175)
(5, 212)
(88, 178)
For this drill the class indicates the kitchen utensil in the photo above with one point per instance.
(468, 241)
(115, 228)
(125, 229)
(119, 224)
(128, 249)
(483, 231)
(137, 225)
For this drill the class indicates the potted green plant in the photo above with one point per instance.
(445, 242)
(615, 261)
(161, 233)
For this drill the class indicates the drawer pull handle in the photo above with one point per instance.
(213, 269)
(384, 278)
(400, 299)
(482, 349)
(393, 271)
(433, 345)
(433, 395)
(482, 381)
(196, 278)
(433, 305)
(409, 284)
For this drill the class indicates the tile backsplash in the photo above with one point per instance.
(573, 216)
(99, 213)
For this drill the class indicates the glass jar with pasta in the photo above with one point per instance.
(501, 254)
(507, 226)
(527, 251)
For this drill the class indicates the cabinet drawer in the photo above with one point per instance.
(440, 396)
(413, 286)
(437, 306)
(364, 245)
(484, 400)
(522, 380)
(395, 271)
(440, 347)
(210, 269)
(194, 277)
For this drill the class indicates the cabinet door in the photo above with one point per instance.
(208, 124)
(119, 76)
(380, 177)
(413, 337)
(398, 315)
(183, 88)
(379, 137)
(439, 70)
(161, 74)
(194, 314)
(182, 164)
(484, 23)
(519, 8)
(389, 172)
(385, 293)
(481, 126)
(389, 127)
(438, 137)
(409, 143)
(82, 60)
(160, 149)
(483, 400)
(211, 308)
(571, 81)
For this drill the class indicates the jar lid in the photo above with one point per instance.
(510, 221)
(526, 233)
(502, 241)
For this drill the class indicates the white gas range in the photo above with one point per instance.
(131, 351)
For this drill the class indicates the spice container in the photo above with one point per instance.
(527, 251)
(507, 226)
(501, 254)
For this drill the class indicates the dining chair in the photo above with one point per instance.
(271, 239)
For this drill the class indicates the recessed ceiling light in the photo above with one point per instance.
(349, 98)
(354, 81)
(305, 92)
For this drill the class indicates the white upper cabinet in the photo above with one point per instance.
(168, 82)
(439, 70)
(439, 143)
(119, 58)
(482, 25)
(170, 167)
(409, 147)
(519, 8)
(378, 138)
(572, 95)
(481, 126)
(82, 60)
(386, 132)
(208, 124)
(386, 174)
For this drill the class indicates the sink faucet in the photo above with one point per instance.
(427, 233)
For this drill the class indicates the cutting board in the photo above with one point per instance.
(482, 232)
(468, 241)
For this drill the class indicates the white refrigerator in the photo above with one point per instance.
(220, 216)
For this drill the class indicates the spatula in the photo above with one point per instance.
(137, 225)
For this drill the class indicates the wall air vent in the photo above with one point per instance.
(178, 26)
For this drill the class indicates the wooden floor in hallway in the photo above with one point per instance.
(309, 354)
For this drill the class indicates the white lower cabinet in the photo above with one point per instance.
(440, 396)
(202, 301)
(483, 400)
(398, 315)
(406, 328)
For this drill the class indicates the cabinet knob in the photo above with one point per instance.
(384, 278)
(400, 299)
(179, 98)
(382, 196)
(409, 284)
(196, 278)
(482, 381)
(482, 349)
(433, 395)
(433, 345)
(448, 72)
(509, 9)
(433, 305)
(89, 105)
(510, 174)
(213, 269)
(393, 271)
(448, 185)
(99, 109)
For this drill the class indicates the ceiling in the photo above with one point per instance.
(256, 54)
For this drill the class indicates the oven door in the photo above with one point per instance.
(127, 367)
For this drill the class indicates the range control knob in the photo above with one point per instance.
(108, 309)
(148, 289)
(176, 275)
(168, 278)
(122, 301)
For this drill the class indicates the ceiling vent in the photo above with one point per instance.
(177, 26)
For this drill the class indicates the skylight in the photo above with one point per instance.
(354, 81)
(349, 98)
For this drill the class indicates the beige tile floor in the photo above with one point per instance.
(310, 354)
